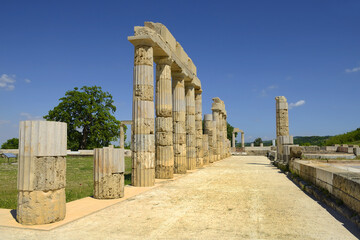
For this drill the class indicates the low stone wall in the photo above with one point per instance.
(257, 151)
(127, 152)
(343, 184)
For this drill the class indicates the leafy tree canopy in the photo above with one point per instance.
(257, 142)
(88, 113)
(230, 130)
(12, 143)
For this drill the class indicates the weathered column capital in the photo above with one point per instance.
(144, 55)
(163, 60)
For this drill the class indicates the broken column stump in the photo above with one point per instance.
(41, 172)
(109, 168)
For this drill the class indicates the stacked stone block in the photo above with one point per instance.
(199, 129)
(109, 168)
(179, 129)
(190, 127)
(216, 110)
(284, 141)
(164, 157)
(209, 131)
(206, 149)
(143, 138)
(41, 172)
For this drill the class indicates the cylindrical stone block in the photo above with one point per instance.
(190, 127)
(122, 136)
(179, 125)
(164, 156)
(109, 168)
(198, 128)
(206, 149)
(209, 131)
(242, 140)
(142, 137)
(282, 117)
(41, 172)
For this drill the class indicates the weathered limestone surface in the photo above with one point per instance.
(190, 127)
(199, 129)
(164, 156)
(179, 130)
(109, 168)
(206, 149)
(143, 139)
(209, 131)
(236, 130)
(282, 117)
(41, 172)
(216, 109)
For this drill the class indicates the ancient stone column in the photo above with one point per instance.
(122, 136)
(179, 129)
(41, 172)
(221, 135)
(190, 127)
(206, 149)
(233, 141)
(109, 168)
(242, 139)
(216, 108)
(282, 117)
(199, 129)
(209, 131)
(164, 156)
(143, 139)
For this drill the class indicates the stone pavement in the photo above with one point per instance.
(242, 197)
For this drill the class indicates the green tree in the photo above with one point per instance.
(88, 113)
(257, 142)
(230, 130)
(12, 143)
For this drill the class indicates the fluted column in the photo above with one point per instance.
(242, 139)
(217, 133)
(233, 142)
(199, 129)
(205, 142)
(109, 168)
(190, 127)
(122, 136)
(41, 172)
(221, 136)
(164, 155)
(179, 126)
(209, 130)
(143, 139)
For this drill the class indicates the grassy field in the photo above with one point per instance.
(79, 180)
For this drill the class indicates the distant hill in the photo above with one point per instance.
(352, 137)
(311, 140)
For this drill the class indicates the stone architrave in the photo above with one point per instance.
(199, 128)
(109, 168)
(41, 172)
(142, 137)
(179, 125)
(205, 149)
(190, 127)
(209, 130)
(164, 155)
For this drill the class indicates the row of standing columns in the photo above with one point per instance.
(173, 142)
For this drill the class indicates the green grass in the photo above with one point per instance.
(79, 180)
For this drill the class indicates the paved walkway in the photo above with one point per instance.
(237, 198)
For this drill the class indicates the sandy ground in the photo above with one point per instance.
(237, 198)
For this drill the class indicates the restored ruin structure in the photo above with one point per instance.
(41, 172)
(209, 131)
(236, 130)
(284, 141)
(175, 144)
(109, 168)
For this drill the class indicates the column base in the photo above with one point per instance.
(41, 207)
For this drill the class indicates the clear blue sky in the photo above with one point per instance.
(246, 53)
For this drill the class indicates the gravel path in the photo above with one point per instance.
(237, 198)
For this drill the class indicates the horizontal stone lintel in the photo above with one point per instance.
(162, 49)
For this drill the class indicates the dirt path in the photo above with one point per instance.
(237, 198)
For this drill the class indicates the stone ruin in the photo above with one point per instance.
(41, 172)
(171, 142)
